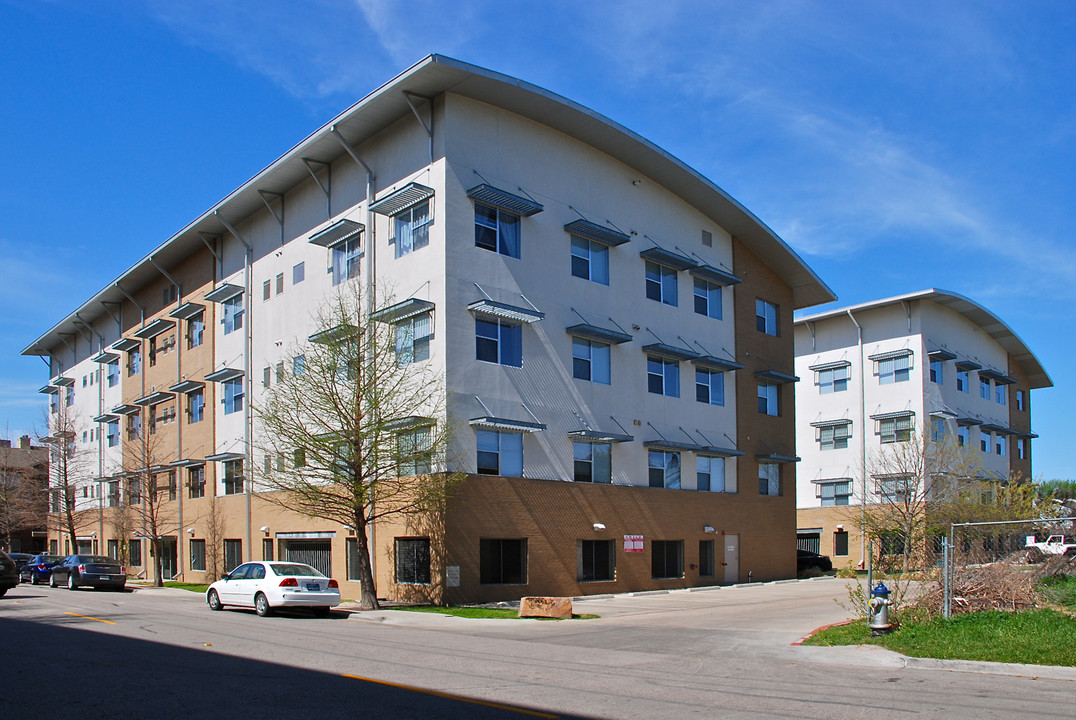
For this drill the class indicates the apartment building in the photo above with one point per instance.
(23, 475)
(613, 331)
(887, 371)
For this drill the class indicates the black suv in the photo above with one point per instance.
(807, 560)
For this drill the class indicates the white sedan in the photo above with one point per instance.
(265, 586)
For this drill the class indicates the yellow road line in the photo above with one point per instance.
(90, 618)
(447, 696)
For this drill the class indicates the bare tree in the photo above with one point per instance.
(152, 488)
(215, 534)
(356, 431)
(69, 469)
(23, 492)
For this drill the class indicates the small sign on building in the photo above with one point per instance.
(452, 575)
(633, 543)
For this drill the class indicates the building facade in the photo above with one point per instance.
(24, 470)
(613, 333)
(886, 372)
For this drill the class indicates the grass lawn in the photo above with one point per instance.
(193, 587)
(1060, 589)
(1039, 637)
(474, 612)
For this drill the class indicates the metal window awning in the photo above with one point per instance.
(187, 310)
(409, 422)
(996, 376)
(776, 376)
(600, 334)
(776, 458)
(399, 200)
(186, 386)
(669, 352)
(672, 446)
(831, 423)
(224, 375)
(968, 421)
(715, 275)
(940, 354)
(890, 354)
(50, 389)
(942, 414)
(155, 328)
(402, 310)
(222, 292)
(107, 418)
(187, 463)
(892, 415)
(504, 200)
(598, 233)
(999, 429)
(338, 232)
(1027, 435)
(155, 398)
(125, 409)
(126, 344)
(967, 365)
(224, 457)
(596, 436)
(331, 335)
(824, 481)
(668, 258)
(837, 364)
(495, 423)
(105, 357)
(716, 451)
(505, 311)
(710, 362)
(61, 381)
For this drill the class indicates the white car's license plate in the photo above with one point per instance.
(313, 586)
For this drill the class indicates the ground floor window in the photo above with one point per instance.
(114, 549)
(596, 560)
(54, 547)
(353, 559)
(233, 554)
(503, 561)
(198, 555)
(413, 561)
(267, 549)
(840, 543)
(892, 544)
(706, 558)
(136, 553)
(667, 559)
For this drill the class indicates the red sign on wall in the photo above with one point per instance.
(633, 543)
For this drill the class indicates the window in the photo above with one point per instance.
(134, 491)
(279, 283)
(1021, 448)
(707, 238)
(999, 393)
(834, 437)
(233, 395)
(766, 317)
(590, 361)
(346, 259)
(354, 560)
(1021, 400)
(897, 488)
(840, 543)
(413, 561)
(233, 554)
(195, 331)
(984, 388)
(768, 399)
(596, 561)
(769, 479)
(414, 451)
(984, 441)
(233, 477)
(834, 493)
(710, 386)
(233, 314)
(298, 273)
(590, 260)
(936, 372)
(298, 365)
(169, 294)
(660, 283)
(593, 462)
(706, 558)
(267, 376)
(666, 559)
(195, 406)
(413, 339)
(196, 482)
(963, 435)
(999, 444)
(198, 555)
(496, 230)
(894, 370)
(267, 289)
(502, 561)
(500, 453)
(136, 552)
(662, 376)
(134, 426)
(663, 469)
(707, 299)
(114, 433)
(937, 429)
(962, 381)
(412, 228)
(896, 429)
(497, 341)
(267, 549)
(710, 474)
(114, 373)
(134, 362)
(833, 380)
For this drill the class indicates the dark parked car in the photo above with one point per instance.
(807, 560)
(38, 569)
(9, 574)
(20, 558)
(93, 570)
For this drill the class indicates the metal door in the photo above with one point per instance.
(732, 558)
(168, 557)
(312, 552)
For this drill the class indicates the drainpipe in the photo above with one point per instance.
(862, 435)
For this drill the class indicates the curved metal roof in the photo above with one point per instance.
(994, 326)
(430, 77)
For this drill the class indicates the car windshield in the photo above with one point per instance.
(296, 569)
(50, 558)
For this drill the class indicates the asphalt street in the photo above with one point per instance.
(716, 653)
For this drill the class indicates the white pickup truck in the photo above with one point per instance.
(1053, 545)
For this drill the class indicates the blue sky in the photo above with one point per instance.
(896, 148)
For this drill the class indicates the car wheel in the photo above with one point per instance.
(52, 581)
(213, 601)
(261, 606)
(71, 584)
(33, 579)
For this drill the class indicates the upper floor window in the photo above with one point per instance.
(590, 360)
(768, 399)
(412, 228)
(134, 362)
(834, 493)
(414, 450)
(590, 260)
(500, 453)
(195, 331)
(707, 299)
(233, 396)
(710, 474)
(896, 429)
(298, 365)
(196, 406)
(298, 273)
(936, 375)
(710, 386)
(113, 433)
(498, 341)
(897, 488)
(769, 479)
(962, 381)
(347, 256)
(834, 437)
(113, 373)
(1000, 441)
(766, 317)
(1021, 400)
(984, 388)
(413, 339)
(1021, 448)
(661, 283)
(963, 435)
(937, 429)
(1000, 393)
(233, 314)
(662, 376)
(831, 380)
(593, 462)
(984, 440)
(894, 369)
(663, 468)
(233, 477)
(496, 230)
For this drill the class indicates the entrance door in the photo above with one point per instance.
(168, 557)
(317, 553)
(732, 558)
